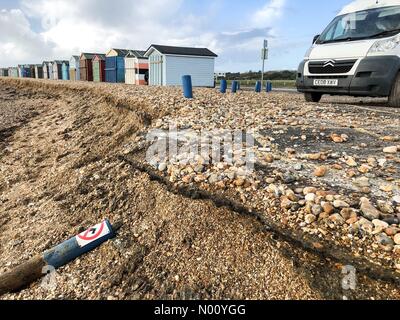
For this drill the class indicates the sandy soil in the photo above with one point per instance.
(62, 169)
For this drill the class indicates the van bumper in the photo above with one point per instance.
(374, 77)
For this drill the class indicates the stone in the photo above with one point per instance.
(239, 182)
(310, 218)
(298, 167)
(365, 225)
(351, 162)
(380, 224)
(320, 171)
(162, 166)
(364, 168)
(269, 158)
(368, 210)
(337, 166)
(286, 203)
(386, 187)
(347, 213)
(187, 179)
(392, 231)
(352, 220)
(308, 190)
(362, 182)
(291, 196)
(314, 156)
(390, 150)
(339, 204)
(310, 197)
(383, 239)
(328, 208)
(396, 199)
(199, 168)
(336, 218)
(213, 178)
(388, 138)
(337, 138)
(397, 239)
(316, 209)
(324, 215)
(385, 207)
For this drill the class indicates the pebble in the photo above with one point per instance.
(351, 162)
(362, 182)
(320, 171)
(336, 218)
(396, 199)
(310, 197)
(383, 239)
(199, 168)
(213, 178)
(316, 209)
(298, 167)
(386, 187)
(162, 167)
(380, 224)
(390, 150)
(397, 239)
(392, 231)
(347, 213)
(385, 207)
(368, 210)
(310, 218)
(339, 204)
(239, 182)
(328, 208)
(308, 190)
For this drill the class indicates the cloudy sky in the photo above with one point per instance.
(35, 30)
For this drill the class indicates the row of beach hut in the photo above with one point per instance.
(159, 65)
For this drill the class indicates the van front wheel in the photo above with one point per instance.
(394, 98)
(313, 97)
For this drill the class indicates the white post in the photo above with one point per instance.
(263, 57)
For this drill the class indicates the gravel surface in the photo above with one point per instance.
(82, 159)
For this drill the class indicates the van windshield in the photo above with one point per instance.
(367, 24)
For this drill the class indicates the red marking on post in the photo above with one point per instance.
(85, 236)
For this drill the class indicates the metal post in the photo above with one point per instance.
(262, 72)
(263, 57)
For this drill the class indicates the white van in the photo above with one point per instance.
(358, 54)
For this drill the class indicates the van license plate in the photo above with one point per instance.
(326, 82)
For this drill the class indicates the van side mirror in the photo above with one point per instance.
(316, 38)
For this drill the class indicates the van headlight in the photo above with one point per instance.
(385, 45)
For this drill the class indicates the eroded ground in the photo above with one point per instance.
(75, 154)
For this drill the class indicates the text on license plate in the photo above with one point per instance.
(326, 82)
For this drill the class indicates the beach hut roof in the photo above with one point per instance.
(136, 53)
(99, 57)
(88, 56)
(181, 51)
(118, 52)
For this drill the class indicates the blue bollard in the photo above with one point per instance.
(258, 86)
(187, 87)
(269, 86)
(33, 269)
(79, 245)
(224, 85)
(234, 86)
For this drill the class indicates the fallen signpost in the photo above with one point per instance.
(35, 268)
